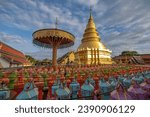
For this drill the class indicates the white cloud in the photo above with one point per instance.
(87, 2)
(41, 15)
(17, 42)
(11, 38)
(122, 24)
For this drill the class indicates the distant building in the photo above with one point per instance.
(10, 57)
(68, 58)
(146, 58)
(140, 59)
(45, 62)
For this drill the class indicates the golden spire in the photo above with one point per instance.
(91, 38)
(91, 49)
(91, 13)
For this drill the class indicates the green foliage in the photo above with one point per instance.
(1, 75)
(76, 75)
(45, 75)
(68, 75)
(13, 75)
(12, 78)
(37, 62)
(26, 74)
(31, 59)
(106, 71)
(46, 60)
(129, 53)
(82, 73)
(34, 61)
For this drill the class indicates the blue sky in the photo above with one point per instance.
(122, 24)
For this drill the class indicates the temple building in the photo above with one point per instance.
(139, 59)
(92, 50)
(146, 58)
(10, 57)
(67, 58)
(128, 59)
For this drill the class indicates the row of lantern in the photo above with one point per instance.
(115, 88)
(125, 87)
(29, 92)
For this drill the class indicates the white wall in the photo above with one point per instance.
(4, 63)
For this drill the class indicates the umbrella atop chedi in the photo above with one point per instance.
(53, 38)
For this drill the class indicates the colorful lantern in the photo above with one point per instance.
(55, 86)
(113, 84)
(4, 92)
(137, 79)
(74, 88)
(87, 90)
(120, 93)
(127, 82)
(121, 78)
(63, 92)
(30, 92)
(136, 92)
(146, 86)
(91, 81)
(105, 88)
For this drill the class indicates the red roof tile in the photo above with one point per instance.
(12, 54)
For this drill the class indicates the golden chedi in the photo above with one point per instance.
(91, 49)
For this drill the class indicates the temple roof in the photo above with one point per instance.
(64, 56)
(11, 54)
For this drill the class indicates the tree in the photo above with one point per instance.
(46, 60)
(129, 53)
(31, 59)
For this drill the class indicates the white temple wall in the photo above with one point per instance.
(4, 63)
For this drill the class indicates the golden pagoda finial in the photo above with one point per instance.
(56, 23)
(90, 11)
